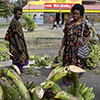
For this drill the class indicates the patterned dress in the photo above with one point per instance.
(18, 58)
(73, 36)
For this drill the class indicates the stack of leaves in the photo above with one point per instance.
(85, 92)
(93, 57)
(4, 53)
(4, 56)
(41, 61)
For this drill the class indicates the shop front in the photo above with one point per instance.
(46, 10)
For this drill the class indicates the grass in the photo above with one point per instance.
(41, 31)
(43, 43)
(4, 24)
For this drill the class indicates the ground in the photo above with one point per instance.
(51, 47)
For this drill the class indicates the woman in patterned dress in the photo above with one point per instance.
(16, 40)
(71, 39)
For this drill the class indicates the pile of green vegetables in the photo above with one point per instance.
(94, 52)
(40, 62)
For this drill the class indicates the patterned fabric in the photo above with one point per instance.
(7, 34)
(83, 51)
(73, 36)
(18, 58)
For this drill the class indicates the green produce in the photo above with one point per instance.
(9, 89)
(37, 93)
(16, 69)
(54, 65)
(61, 73)
(58, 59)
(41, 61)
(1, 93)
(11, 74)
(53, 72)
(51, 85)
(93, 31)
(85, 93)
(30, 85)
(61, 95)
(65, 96)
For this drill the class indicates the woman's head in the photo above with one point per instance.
(77, 11)
(17, 12)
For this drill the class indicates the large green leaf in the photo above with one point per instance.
(5, 8)
(28, 22)
(3, 48)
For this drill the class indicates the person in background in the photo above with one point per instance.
(17, 43)
(86, 19)
(60, 22)
(92, 23)
(71, 40)
(51, 19)
(54, 24)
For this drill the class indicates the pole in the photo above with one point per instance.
(60, 18)
(60, 12)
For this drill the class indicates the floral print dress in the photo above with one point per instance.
(73, 36)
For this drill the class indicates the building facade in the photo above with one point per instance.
(46, 10)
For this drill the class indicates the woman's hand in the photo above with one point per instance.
(20, 50)
(82, 43)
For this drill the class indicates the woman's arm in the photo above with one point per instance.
(84, 41)
(86, 34)
(18, 44)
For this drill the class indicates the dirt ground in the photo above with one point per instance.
(50, 47)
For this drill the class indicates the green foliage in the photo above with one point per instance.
(28, 22)
(86, 93)
(5, 9)
(17, 3)
(94, 51)
(4, 53)
(40, 61)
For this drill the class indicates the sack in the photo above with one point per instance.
(83, 51)
(7, 34)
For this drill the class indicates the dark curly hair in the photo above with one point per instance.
(18, 8)
(78, 7)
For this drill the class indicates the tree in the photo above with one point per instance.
(22, 3)
(5, 8)
(28, 22)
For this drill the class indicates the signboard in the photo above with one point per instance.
(56, 5)
(54, 1)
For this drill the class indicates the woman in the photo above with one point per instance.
(17, 42)
(71, 39)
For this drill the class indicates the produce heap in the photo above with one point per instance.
(40, 62)
(94, 51)
(13, 88)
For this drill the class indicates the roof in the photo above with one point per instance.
(41, 6)
(32, 6)
(89, 0)
(92, 7)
